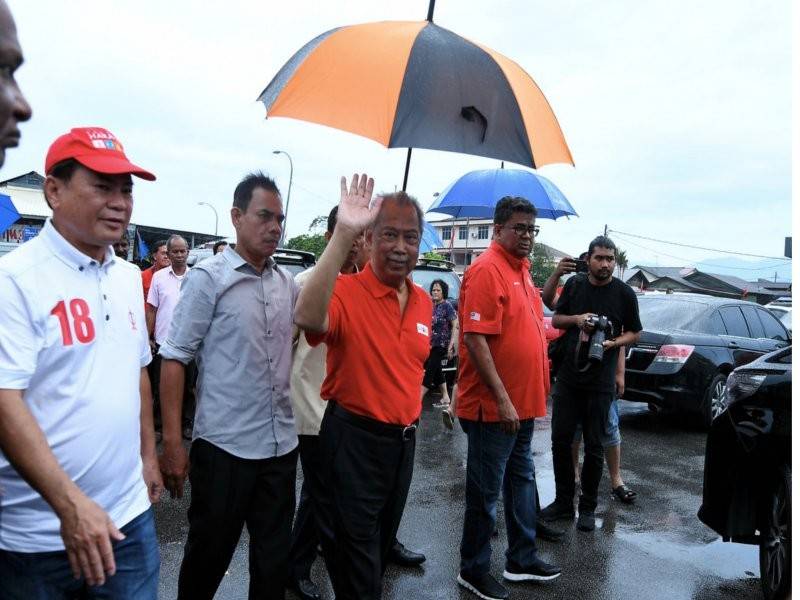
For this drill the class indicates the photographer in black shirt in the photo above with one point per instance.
(599, 313)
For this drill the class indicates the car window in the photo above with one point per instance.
(772, 328)
(734, 321)
(715, 324)
(670, 313)
(424, 278)
(753, 322)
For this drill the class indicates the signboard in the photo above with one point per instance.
(18, 234)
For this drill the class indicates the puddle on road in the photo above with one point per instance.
(725, 560)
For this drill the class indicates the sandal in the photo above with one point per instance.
(447, 419)
(624, 494)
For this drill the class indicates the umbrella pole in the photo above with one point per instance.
(431, 6)
(408, 164)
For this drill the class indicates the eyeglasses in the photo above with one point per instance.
(520, 229)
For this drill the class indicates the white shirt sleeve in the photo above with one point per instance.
(20, 338)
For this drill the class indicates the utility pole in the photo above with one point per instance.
(605, 231)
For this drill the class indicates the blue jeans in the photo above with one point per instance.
(610, 436)
(496, 459)
(47, 575)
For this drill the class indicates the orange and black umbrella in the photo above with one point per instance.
(417, 85)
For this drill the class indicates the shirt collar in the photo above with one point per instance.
(69, 254)
(516, 263)
(236, 260)
(376, 287)
(169, 268)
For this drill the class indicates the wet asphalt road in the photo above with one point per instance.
(654, 549)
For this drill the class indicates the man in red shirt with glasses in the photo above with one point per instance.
(503, 381)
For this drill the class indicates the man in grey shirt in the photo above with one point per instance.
(234, 317)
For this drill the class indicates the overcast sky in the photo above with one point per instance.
(678, 113)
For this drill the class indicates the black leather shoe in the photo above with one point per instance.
(305, 589)
(545, 532)
(400, 555)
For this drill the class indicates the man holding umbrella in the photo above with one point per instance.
(503, 382)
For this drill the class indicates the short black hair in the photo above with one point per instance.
(603, 242)
(218, 244)
(158, 245)
(244, 191)
(403, 199)
(332, 219)
(65, 169)
(508, 205)
(443, 285)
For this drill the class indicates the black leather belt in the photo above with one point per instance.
(390, 430)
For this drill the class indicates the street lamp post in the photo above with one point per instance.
(216, 217)
(288, 195)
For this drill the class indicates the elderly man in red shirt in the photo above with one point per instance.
(503, 381)
(376, 325)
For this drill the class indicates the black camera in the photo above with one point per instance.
(602, 328)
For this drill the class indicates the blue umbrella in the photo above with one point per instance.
(8, 212)
(476, 194)
(430, 239)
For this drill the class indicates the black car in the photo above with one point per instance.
(423, 275)
(748, 471)
(689, 345)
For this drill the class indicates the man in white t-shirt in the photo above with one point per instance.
(78, 467)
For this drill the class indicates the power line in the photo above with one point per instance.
(642, 237)
(689, 261)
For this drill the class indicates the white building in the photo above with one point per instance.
(465, 239)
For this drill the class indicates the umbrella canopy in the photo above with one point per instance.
(417, 85)
(8, 212)
(430, 239)
(476, 194)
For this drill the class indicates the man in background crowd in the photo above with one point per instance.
(160, 260)
(121, 247)
(219, 246)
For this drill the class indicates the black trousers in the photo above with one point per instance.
(305, 536)
(570, 407)
(366, 472)
(229, 492)
(434, 377)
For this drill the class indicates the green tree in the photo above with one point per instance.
(622, 261)
(541, 264)
(433, 256)
(309, 242)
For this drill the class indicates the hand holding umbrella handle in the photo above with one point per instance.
(357, 209)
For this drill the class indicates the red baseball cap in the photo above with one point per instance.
(96, 149)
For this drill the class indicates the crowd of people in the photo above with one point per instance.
(261, 369)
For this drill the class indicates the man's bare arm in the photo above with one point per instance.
(147, 435)
(565, 265)
(481, 357)
(86, 529)
(150, 318)
(174, 460)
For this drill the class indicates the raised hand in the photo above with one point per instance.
(357, 210)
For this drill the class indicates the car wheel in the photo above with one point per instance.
(776, 537)
(714, 402)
